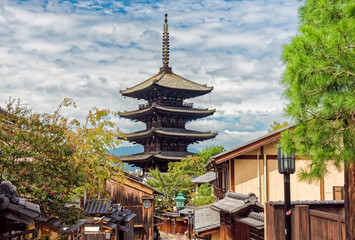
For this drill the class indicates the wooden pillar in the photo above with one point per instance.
(232, 176)
(321, 185)
(349, 205)
(300, 222)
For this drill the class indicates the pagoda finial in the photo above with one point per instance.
(166, 67)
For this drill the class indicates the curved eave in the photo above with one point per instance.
(140, 157)
(168, 81)
(147, 157)
(163, 132)
(193, 113)
(188, 93)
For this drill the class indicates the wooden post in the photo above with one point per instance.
(321, 185)
(300, 228)
(287, 206)
(349, 203)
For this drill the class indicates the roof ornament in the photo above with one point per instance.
(165, 67)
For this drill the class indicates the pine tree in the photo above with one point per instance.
(320, 82)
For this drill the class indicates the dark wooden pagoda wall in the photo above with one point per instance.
(166, 121)
(165, 144)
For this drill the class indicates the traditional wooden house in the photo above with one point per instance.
(53, 229)
(252, 167)
(166, 138)
(206, 223)
(209, 177)
(138, 198)
(19, 218)
(240, 217)
(172, 223)
(111, 221)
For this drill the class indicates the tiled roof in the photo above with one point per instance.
(168, 109)
(98, 206)
(206, 219)
(15, 208)
(168, 80)
(252, 219)
(74, 227)
(176, 132)
(235, 202)
(205, 178)
(312, 202)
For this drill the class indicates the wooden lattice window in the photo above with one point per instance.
(338, 192)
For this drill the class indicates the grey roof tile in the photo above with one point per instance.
(234, 202)
(205, 178)
(206, 219)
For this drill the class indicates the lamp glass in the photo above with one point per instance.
(286, 162)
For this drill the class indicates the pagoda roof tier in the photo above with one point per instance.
(170, 132)
(160, 156)
(167, 81)
(189, 113)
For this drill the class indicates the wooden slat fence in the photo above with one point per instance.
(307, 224)
(326, 226)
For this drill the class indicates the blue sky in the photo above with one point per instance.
(89, 50)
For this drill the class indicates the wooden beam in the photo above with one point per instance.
(232, 176)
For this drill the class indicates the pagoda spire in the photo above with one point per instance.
(165, 55)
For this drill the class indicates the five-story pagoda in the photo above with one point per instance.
(165, 114)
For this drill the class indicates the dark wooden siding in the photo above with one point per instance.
(241, 231)
(131, 198)
(173, 227)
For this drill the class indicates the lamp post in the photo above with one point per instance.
(189, 216)
(286, 166)
(180, 201)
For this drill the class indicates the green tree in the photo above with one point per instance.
(191, 166)
(320, 82)
(52, 160)
(203, 196)
(178, 177)
(209, 151)
(277, 126)
(170, 184)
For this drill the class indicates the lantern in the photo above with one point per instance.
(286, 162)
(180, 201)
(286, 166)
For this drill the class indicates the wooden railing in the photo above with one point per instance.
(167, 103)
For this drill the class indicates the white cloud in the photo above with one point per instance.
(89, 50)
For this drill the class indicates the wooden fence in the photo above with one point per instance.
(307, 224)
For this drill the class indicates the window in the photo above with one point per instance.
(338, 192)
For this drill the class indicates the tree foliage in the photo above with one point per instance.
(277, 126)
(53, 160)
(209, 151)
(203, 196)
(320, 82)
(191, 166)
(170, 184)
(178, 177)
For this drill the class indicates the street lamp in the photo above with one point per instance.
(190, 217)
(180, 201)
(286, 166)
